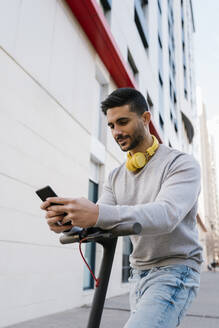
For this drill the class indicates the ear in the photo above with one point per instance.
(146, 117)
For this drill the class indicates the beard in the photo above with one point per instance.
(129, 142)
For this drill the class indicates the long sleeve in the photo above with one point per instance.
(177, 196)
(107, 196)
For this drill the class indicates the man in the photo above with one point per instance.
(158, 187)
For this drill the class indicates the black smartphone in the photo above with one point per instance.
(46, 192)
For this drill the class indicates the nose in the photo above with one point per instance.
(117, 132)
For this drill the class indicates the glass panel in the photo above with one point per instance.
(90, 248)
(90, 252)
(127, 249)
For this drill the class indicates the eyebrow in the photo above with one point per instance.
(119, 119)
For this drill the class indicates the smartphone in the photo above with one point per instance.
(46, 192)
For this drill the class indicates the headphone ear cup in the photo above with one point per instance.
(138, 160)
(129, 165)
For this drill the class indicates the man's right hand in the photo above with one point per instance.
(55, 222)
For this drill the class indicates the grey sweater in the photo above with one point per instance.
(163, 198)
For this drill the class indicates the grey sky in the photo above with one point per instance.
(206, 15)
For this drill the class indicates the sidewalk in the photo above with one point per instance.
(204, 312)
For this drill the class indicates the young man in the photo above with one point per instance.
(158, 187)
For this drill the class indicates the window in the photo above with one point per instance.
(176, 126)
(171, 90)
(144, 7)
(140, 22)
(160, 80)
(127, 249)
(160, 55)
(174, 97)
(99, 119)
(106, 6)
(102, 119)
(159, 6)
(159, 41)
(185, 82)
(171, 14)
(90, 248)
(160, 94)
(132, 65)
(150, 104)
(171, 115)
(173, 70)
(170, 57)
(159, 20)
(161, 122)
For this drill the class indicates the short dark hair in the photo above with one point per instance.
(126, 96)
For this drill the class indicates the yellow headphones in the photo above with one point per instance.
(139, 160)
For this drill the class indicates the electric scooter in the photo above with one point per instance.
(108, 239)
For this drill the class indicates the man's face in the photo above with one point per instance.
(127, 127)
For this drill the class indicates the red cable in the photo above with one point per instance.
(97, 280)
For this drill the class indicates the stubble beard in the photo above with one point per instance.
(136, 139)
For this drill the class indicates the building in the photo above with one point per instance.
(58, 60)
(208, 201)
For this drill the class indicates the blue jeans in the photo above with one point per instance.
(159, 297)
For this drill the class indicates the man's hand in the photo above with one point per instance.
(79, 211)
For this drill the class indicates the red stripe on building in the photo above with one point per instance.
(93, 22)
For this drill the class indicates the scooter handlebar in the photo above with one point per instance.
(94, 234)
(126, 229)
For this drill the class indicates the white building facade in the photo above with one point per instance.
(58, 60)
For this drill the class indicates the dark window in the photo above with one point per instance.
(159, 41)
(183, 46)
(127, 249)
(132, 64)
(171, 115)
(171, 14)
(144, 4)
(160, 80)
(150, 104)
(173, 70)
(173, 43)
(161, 122)
(169, 28)
(171, 89)
(149, 101)
(170, 57)
(159, 6)
(140, 23)
(185, 82)
(106, 4)
(174, 97)
(176, 126)
(90, 250)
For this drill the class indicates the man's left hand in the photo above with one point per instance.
(80, 211)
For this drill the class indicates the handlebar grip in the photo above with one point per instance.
(126, 229)
(65, 239)
(120, 230)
